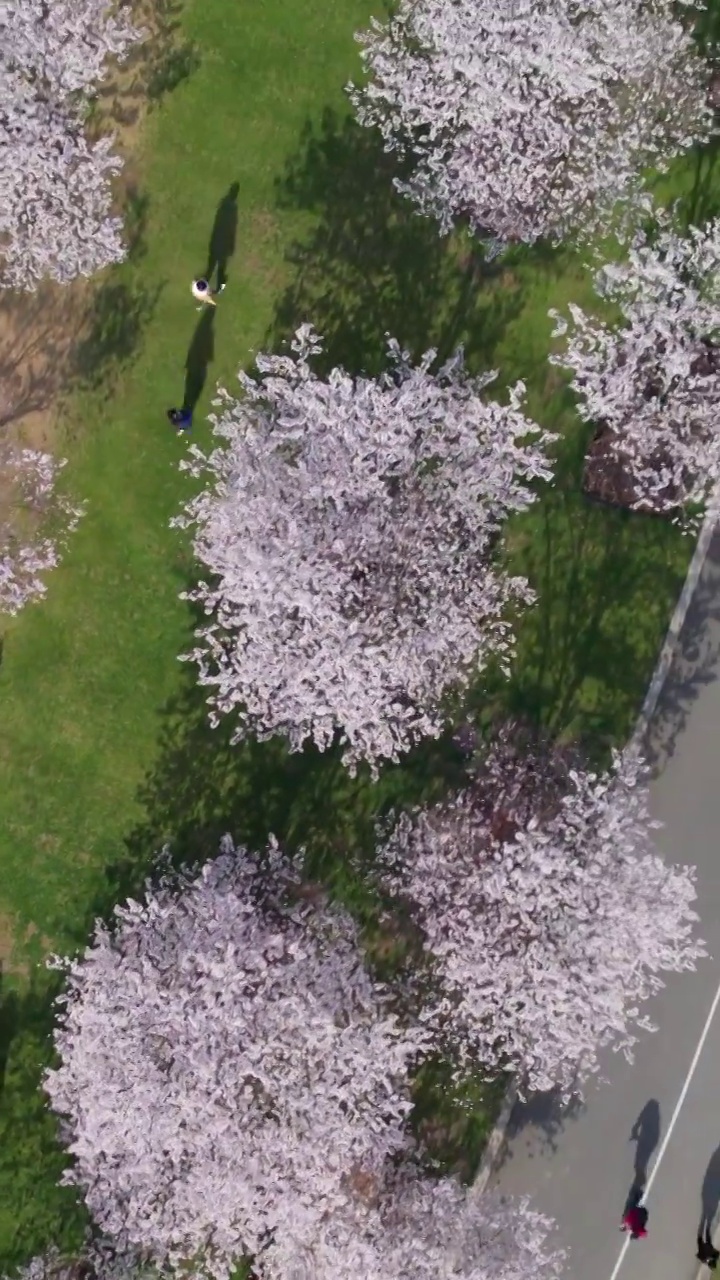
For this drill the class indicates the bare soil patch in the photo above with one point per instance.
(41, 332)
(38, 333)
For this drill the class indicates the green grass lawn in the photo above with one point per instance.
(105, 751)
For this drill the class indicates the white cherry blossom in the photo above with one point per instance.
(532, 118)
(347, 526)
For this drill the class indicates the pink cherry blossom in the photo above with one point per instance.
(55, 193)
(653, 383)
(347, 528)
(532, 119)
(547, 913)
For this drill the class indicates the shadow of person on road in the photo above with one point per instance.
(645, 1133)
(710, 1200)
(223, 236)
(201, 353)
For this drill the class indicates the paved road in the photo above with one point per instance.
(579, 1167)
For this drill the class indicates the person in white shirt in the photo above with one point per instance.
(203, 294)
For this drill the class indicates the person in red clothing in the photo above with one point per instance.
(635, 1221)
(635, 1217)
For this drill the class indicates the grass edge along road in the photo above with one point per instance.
(105, 750)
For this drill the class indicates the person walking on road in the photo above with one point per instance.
(706, 1251)
(635, 1221)
(636, 1216)
(203, 294)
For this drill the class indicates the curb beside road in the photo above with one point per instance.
(496, 1141)
(667, 653)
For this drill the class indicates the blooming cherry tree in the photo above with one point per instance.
(442, 1229)
(97, 1260)
(425, 1228)
(233, 1084)
(348, 525)
(547, 913)
(653, 386)
(228, 1070)
(29, 504)
(532, 119)
(55, 193)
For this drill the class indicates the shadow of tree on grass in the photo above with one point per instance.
(152, 68)
(606, 583)
(62, 337)
(31, 1159)
(37, 336)
(702, 203)
(119, 314)
(453, 1120)
(204, 786)
(371, 266)
(120, 308)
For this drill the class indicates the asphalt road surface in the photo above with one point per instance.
(579, 1166)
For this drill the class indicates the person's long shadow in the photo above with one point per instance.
(223, 236)
(201, 353)
(645, 1133)
(710, 1197)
